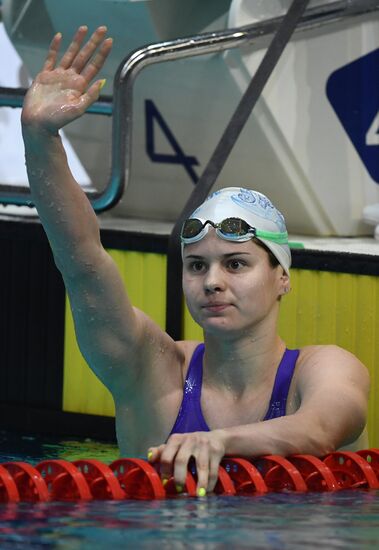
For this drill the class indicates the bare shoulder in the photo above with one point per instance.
(332, 385)
(325, 354)
(188, 346)
(186, 349)
(155, 342)
(333, 363)
(154, 339)
(158, 347)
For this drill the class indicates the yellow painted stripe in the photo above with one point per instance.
(144, 276)
(341, 309)
(82, 391)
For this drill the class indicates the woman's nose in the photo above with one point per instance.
(214, 281)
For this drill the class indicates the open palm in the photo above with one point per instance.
(62, 92)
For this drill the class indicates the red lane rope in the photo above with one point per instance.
(351, 470)
(8, 487)
(280, 474)
(101, 480)
(138, 479)
(372, 457)
(317, 476)
(134, 478)
(64, 481)
(246, 477)
(29, 482)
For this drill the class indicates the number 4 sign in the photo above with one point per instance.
(372, 136)
(177, 156)
(353, 91)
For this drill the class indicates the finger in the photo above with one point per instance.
(74, 48)
(154, 453)
(51, 57)
(202, 469)
(214, 464)
(168, 457)
(181, 461)
(92, 68)
(89, 97)
(88, 50)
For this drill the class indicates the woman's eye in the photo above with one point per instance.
(235, 264)
(197, 266)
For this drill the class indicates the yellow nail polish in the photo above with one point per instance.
(179, 488)
(149, 455)
(164, 481)
(201, 492)
(102, 83)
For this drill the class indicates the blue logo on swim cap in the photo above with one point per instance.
(259, 205)
(199, 208)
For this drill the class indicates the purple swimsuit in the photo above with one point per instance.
(190, 417)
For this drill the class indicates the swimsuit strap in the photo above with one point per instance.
(190, 417)
(283, 378)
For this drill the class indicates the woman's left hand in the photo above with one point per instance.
(206, 448)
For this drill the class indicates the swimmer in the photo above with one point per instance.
(242, 393)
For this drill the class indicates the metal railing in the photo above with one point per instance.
(132, 65)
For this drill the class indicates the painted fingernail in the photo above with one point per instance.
(149, 455)
(201, 492)
(164, 481)
(102, 83)
(179, 488)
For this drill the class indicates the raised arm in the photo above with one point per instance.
(110, 332)
(60, 93)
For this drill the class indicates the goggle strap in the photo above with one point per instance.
(275, 237)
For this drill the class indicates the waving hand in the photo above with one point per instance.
(62, 91)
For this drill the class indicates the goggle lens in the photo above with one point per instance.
(191, 228)
(232, 228)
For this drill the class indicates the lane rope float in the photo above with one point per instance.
(135, 478)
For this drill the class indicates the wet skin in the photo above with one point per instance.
(231, 291)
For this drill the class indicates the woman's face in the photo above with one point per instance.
(230, 286)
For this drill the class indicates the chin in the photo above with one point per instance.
(219, 326)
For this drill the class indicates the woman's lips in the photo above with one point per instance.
(215, 307)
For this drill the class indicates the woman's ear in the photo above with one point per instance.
(285, 283)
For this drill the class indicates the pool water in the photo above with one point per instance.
(343, 520)
(34, 449)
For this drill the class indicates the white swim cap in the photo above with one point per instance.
(255, 209)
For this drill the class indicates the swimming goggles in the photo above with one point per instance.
(230, 229)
